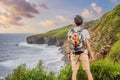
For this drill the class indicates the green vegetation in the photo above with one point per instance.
(105, 70)
(101, 70)
(107, 29)
(114, 54)
(60, 34)
(37, 73)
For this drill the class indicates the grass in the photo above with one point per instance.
(58, 33)
(114, 54)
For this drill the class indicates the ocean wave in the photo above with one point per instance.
(50, 55)
(25, 44)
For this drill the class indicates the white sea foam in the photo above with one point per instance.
(25, 44)
(49, 55)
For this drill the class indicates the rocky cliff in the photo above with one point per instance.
(44, 40)
(54, 37)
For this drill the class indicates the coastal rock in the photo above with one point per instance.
(35, 40)
(40, 40)
(31, 39)
(44, 40)
(51, 41)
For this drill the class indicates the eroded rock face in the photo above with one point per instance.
(44, 40)
(35, 40)
(103, 52)
(51, 41)
(40, 40)
(31, 40)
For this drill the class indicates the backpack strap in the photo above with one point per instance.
(82, 40)
(73, 31)
(80, 30)
(84, 44)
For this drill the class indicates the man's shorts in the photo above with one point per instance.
(82, 59)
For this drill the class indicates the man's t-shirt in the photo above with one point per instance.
(84, 32)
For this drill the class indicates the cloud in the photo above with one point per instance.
(19, 8)
(34, 5)
(44, 6)
(114, 1)
(7, 20)
(96, 8)
(87, 14)
(13, 11)
(93, 12)
(63, 19)
(48, 23)
(22, 29)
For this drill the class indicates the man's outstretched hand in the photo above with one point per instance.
(91, 56)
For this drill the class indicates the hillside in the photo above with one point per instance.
(114, 54)
(104, 33)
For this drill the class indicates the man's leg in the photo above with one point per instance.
(85, 64)
(75, 66)
(74, 75)
(89, 75)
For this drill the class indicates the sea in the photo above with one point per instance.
(14, 51)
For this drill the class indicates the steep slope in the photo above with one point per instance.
(114, 54)
(106, 31)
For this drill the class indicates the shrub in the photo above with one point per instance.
(65, 73)
(37, 73)
(105, 70)
(101, 70)
(114, 54)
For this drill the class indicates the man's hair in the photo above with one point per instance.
(78, 20)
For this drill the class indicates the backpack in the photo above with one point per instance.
(77, 44)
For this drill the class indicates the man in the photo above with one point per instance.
(79, 56)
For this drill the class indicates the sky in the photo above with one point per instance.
(40, 16)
